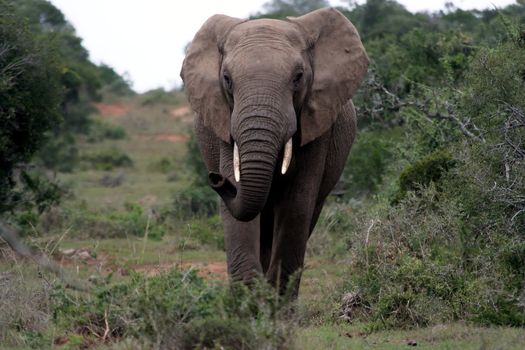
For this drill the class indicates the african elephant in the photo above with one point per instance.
(275, 123)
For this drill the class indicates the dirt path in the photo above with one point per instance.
(102, 262)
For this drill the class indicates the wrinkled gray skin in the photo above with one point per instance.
(259, 83)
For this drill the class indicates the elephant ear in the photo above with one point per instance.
(339, 63)
(200, 73)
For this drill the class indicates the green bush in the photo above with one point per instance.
(60, 153)
(196, 201)
(100, 130)
(421, 264)
(207, 231)
(163, 165)
(425, 171)
(34, 194)
(107, 159)
(367, 162)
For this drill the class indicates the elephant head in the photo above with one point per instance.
(267, 86)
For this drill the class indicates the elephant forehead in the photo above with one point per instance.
(256, 60)
(269, 33)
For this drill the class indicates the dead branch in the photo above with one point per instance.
(12, 238)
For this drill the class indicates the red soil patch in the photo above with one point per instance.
(112, 110)
(83, 257)
(165, 137)
(180, 112)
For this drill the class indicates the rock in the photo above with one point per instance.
(83, 254)
(69, 252)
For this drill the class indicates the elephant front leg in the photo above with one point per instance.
(242, 247)
(296, 198)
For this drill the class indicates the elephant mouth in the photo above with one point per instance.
(287, 158)
(245, 193)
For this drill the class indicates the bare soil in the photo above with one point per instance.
(112, 110)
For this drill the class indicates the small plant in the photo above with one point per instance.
(106, 159)
(163, 165)
(208, 231)
(100, 130)
(196, 201)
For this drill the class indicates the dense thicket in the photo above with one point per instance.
(435, 182)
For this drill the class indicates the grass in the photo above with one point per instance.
(141, 183)
(449, 336)
(318, 324)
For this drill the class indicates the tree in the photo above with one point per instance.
(30, 95)
(283, 8)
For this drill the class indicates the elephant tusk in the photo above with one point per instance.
(236, 163)
(287, 156)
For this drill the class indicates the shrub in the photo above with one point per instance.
(107, 159)
(179, 310)
(100, 130)
(195, 201)
(59, 153)
(25, 312)
(163, 165)
(367, 163)
(425, 171)
(208, 231)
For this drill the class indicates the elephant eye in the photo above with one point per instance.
(297, 80)
(227, 82)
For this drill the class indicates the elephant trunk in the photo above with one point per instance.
(258, 153)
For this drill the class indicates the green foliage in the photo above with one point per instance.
(59, 153)
(81, 81)
(367, 163)
(178, 310)
(207, 231)
(30, 93)
(198, 199)
(113, 82)
(195, 201)
(195, 163)
(420, 265)
(106, 159)
(425, 171)
(101, 130)
(452, 246)
(160, 96)
(283, 8)
(163, 165)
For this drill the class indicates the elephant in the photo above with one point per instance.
(274, 124)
